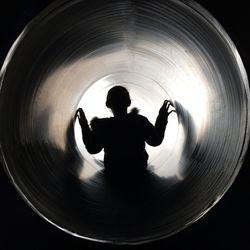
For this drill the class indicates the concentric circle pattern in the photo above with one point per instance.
(69, 56)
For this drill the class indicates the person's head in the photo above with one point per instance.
(118, 99)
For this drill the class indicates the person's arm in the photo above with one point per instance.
(155, 134)
(89, 137)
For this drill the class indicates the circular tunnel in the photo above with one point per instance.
(69, 56)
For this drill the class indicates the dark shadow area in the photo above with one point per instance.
(131, 204)
(131, 196)
(109, 204)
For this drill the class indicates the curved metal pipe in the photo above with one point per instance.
(69, 56)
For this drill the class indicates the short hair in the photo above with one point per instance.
(117, 98)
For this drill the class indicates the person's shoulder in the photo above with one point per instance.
(134, 113)
(143, 119)
(97, 123)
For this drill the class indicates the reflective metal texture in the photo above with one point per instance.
(69, 56)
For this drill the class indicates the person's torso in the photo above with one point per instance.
(124, 141)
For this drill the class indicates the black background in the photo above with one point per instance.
(226, 226)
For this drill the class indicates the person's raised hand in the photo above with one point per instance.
(81, 116)
(165, 109)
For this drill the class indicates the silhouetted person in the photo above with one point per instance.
(123, 136)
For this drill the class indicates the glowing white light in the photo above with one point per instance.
(178, 77)
(152, 71)
(93, 104)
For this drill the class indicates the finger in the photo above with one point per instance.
(81, 113)
(171, 112)
(165, 103)
(78, 110)
(76, 115)
(169, 104)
